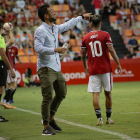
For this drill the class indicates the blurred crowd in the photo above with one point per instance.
(23, 13)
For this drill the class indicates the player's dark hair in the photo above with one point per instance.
(4, 34)
(1, 24)
(96, 19)
(42, 11)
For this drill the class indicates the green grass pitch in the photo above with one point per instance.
(77, 108)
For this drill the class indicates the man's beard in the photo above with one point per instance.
(52, 19)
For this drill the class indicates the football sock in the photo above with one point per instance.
(8, 94)
(12, 94)
(108, 112)
(98, 113)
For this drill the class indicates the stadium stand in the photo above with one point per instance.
(119, 20)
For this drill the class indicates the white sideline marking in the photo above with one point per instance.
(102, 113)
(85, 126)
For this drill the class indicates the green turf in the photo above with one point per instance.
(77, 107)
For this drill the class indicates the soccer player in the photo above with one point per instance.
(48, 64)
(97, 44)
(12, 53)
(3, 69)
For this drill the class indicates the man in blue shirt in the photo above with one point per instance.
(49, 66)
(132, 44)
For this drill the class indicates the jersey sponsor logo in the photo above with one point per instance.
(124, 73)
(72, 76)
(94, 36)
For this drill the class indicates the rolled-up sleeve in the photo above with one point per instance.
(39, 39)
(68, 25)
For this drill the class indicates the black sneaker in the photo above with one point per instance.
(48, 131)
(55, 126)
(3, 119)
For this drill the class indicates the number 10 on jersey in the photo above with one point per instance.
(94, 48)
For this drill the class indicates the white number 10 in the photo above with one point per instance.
(94, 48)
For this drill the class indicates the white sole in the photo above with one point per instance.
(46, 134)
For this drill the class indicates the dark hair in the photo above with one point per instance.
(96, 19)
(1, 24)
(42, 11)
(4, 34)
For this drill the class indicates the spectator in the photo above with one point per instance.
(77, 57)
(130, 3)
(60, 1)
(23, 20)
(97, 6)
(39, 3)
(28, 81)
(132, 45)
(27, 12)
(2, 11)
(67, 58)
(17, 40)
(126, 56)
(16, 9)
(134, 56)
(65, 36)
(20, 4)
(12, 18)
(25, 41)
(71, 53)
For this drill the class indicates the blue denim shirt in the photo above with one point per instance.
(46, 41)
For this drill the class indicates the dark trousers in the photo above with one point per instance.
(50, 80)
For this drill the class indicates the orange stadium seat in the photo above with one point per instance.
(138, 17)
(128, 11)
(112, 19)
(126, 40)
(61, 14)
(24, 59)
(57, 8)
(79, 42)
(65, 7)
(58, 21)
(76, 49)
(33, 59)
(136, 32)
(29, 51)
(72, 42)
(17, 36)
(128, 32)
(21, 52)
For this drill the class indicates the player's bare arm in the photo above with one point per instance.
(18, 59)
(84, 51)
(11, 40)
(114, 55)
(6, 61)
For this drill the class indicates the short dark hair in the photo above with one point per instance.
(96, 19)
(1, 24)
(42, 11)
(4, 34)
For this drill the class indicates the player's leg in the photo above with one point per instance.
(3, 77)
(95, 86)
(47, 77)
(107, 81)
(12, 85)
(60, 93)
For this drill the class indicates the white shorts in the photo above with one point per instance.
(9, 78)
(97, 81)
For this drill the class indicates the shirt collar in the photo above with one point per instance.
(47, 26)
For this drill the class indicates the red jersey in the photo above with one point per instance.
(97, 4)
(11, 53)
(98, 55)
